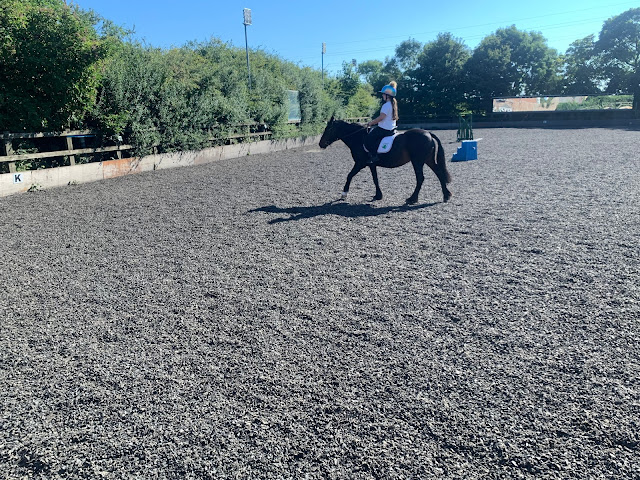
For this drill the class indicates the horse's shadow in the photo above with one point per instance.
(336, 207)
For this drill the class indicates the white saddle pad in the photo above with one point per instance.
(386, 143)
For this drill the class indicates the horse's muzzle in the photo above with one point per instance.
(323, 144)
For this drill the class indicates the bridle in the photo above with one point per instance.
(349, 134)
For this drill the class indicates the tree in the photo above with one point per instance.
(49, 59)
(349, 82)
(378, 74)
(372, 71)
(438, 77)
(313, 108)
(362, 103)
(511, 62)
(407, 53)
(581, 68)
(619, 47)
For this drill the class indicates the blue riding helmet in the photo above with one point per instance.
(389, 90)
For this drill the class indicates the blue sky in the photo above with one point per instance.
(356, 30)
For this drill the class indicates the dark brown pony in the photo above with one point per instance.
(416, 146)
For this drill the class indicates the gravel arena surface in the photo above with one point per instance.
(236, 321)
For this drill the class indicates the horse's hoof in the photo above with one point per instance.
(411, 201)
(378, 197)
(343, 195)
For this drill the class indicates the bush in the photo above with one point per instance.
(193, 97)
(61, 67)
(49, 57)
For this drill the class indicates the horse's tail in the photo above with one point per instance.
(440, 160)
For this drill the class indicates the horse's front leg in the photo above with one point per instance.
(356, 168)
(374, 174)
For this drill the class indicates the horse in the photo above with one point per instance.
(416, 146)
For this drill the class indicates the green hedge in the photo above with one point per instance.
(62, 67)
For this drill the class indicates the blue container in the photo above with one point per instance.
(467, 151)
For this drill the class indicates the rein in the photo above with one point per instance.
(352, 133)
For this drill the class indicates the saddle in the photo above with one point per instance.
(385, 144)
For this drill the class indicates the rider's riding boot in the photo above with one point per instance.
(373, 159)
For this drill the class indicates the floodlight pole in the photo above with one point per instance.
(247, 21)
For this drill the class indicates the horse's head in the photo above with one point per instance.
(329, 135)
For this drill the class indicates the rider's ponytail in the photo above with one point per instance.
(394, 102)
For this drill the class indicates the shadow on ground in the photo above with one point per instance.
(335, 207)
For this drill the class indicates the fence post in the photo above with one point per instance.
(8, 150)
(119, 141)
(72, 158)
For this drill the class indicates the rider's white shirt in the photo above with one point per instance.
(388, 123)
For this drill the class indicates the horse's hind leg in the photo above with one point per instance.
(442, 175)
(446, 194)
(440, 169)
(417, 168)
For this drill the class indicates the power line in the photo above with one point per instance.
(469, 37)
(510, 22)
(466, 27)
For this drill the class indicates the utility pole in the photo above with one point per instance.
(324, 50)
(247, 21)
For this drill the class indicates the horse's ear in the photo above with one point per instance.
(332, 119)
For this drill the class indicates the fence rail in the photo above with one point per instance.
(65, 153)
(73, 143)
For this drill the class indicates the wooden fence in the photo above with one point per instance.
(72, 144)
